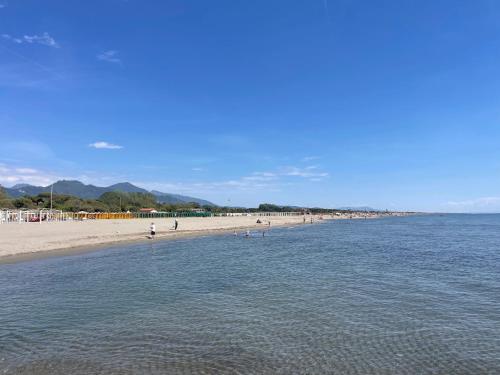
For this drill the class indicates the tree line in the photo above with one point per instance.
(132, 202)
(107, 202)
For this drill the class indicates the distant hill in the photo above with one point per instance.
(19, 186)
(79, 189)
(176, 198)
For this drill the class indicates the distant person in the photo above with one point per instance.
(269, 223)
(152, 230)
(176, 224)
(311, 220)
(263, 233)
(247, 234)
(258, 221)
(304, 219)
(235, 234)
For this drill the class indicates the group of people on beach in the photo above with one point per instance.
(152, 229)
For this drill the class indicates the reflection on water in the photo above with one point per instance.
(418, 295)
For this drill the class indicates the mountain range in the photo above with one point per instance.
(79, 189)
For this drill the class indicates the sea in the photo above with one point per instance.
(397, 295)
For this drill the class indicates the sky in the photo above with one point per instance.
(331, 103)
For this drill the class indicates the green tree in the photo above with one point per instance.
(23, 202)
(118, 201)
(5, 201)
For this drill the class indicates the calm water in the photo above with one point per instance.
(418, 295)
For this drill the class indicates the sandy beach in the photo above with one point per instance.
(25, 240)
(32, 238)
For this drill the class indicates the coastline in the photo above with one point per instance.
(28, 241)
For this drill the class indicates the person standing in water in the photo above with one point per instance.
(152, 230)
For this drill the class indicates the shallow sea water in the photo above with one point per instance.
(414, 295)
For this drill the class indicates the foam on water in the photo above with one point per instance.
(416, 295)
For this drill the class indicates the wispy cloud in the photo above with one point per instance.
(10, 176)
(241, 184)
(44, 39)
(26, 151)
(230, 140)
(198, 169)
(307, 172)
(483, 204)
(109, 56)
(268, 181)
(105, 145)
(261, 176)
(26, 170)
(4, 4)
(310, 158)
(327, 10)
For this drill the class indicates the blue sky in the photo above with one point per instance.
(391, 104)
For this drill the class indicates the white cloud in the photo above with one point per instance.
(44, 39)
(109, 56)
(105, 145)
(198, 169)
(11, 176)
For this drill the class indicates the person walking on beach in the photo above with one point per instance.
(152, 230)
(176, 224)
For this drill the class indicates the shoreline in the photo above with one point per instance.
(31, 241)
(82, 249)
